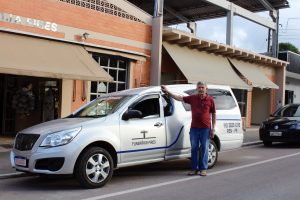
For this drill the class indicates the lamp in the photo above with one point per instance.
(85, 35)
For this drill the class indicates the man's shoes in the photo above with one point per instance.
(203, 173)
(193, 173)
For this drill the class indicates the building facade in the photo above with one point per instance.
(56, 55)
(69, 52)
(292, 89)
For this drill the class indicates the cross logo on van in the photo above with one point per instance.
(144, 132)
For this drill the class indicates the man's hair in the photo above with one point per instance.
(201, 83)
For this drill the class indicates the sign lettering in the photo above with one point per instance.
(15, 19)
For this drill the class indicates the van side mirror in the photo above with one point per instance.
(130, 114)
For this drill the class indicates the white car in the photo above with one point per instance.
(125, 128)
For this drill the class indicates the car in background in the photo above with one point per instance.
(282, 126)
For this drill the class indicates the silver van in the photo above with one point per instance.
(120, 129)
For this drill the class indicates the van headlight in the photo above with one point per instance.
(60, 138)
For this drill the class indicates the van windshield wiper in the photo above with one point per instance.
(89, 116)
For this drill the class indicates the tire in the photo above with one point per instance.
(267, 143)
(212, 154)
(91, 173)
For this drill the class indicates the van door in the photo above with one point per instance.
(177, 128)
(145, 138)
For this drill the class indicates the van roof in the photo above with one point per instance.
(174, 88)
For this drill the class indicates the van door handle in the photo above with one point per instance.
(158, 124)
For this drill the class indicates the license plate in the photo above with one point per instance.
(275, 133)
(20, 161)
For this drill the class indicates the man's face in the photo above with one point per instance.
(201, 89)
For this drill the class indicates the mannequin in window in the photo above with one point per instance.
(48, 105)
(24, 100)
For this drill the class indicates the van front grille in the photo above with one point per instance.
(25, 142)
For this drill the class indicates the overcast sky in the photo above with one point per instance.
(250, 36)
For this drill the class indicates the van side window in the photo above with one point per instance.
(149, 106)
(223, 99)
(167, 105)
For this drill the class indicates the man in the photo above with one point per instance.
(202, 126)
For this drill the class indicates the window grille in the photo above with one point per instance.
(102, 6)
(116, 67)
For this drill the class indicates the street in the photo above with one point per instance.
(253, 172)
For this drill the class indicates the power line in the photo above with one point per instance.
(287, 22)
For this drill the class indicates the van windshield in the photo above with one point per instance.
(101, 107)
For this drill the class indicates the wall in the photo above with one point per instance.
(66, 97)
(294, 85)
(260, 105)
(68, 22)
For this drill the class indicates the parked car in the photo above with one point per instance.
(282, 126)
(120, 129)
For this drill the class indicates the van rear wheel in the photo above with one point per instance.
(94, 168)
(212, 154)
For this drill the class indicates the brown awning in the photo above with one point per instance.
(117, 53)
(253, 74)
(201, 66)
(31, 56)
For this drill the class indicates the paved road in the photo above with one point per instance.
(253, 172)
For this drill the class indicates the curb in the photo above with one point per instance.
(13, 175)
(251, 143)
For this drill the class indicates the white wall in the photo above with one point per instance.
(294, 85)
(66, 100)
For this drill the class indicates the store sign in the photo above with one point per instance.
(15, 19)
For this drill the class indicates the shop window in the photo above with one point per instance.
(117, 67)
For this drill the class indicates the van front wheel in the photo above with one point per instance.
(94, 168)
(212, 154)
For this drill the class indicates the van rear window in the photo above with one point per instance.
(223, 99)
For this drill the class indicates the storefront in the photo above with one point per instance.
(83, 49)
(51, 63)
(257, 80)
(28, 99)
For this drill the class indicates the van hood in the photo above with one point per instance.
(58, 125)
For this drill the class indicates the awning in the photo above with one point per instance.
(117, 53)
(23, 55)
(201, 66)
(253, 74)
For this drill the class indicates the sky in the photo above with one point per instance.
(251, 36)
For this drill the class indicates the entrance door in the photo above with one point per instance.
(21, 107)
(260, 105)
(7, 86)
(289, 96)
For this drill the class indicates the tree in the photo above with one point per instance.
(288, 47)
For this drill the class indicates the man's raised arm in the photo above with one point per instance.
(167, 92)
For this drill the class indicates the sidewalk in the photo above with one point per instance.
(6, 144)
(251, 137)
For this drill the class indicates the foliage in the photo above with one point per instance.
(288, 47)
